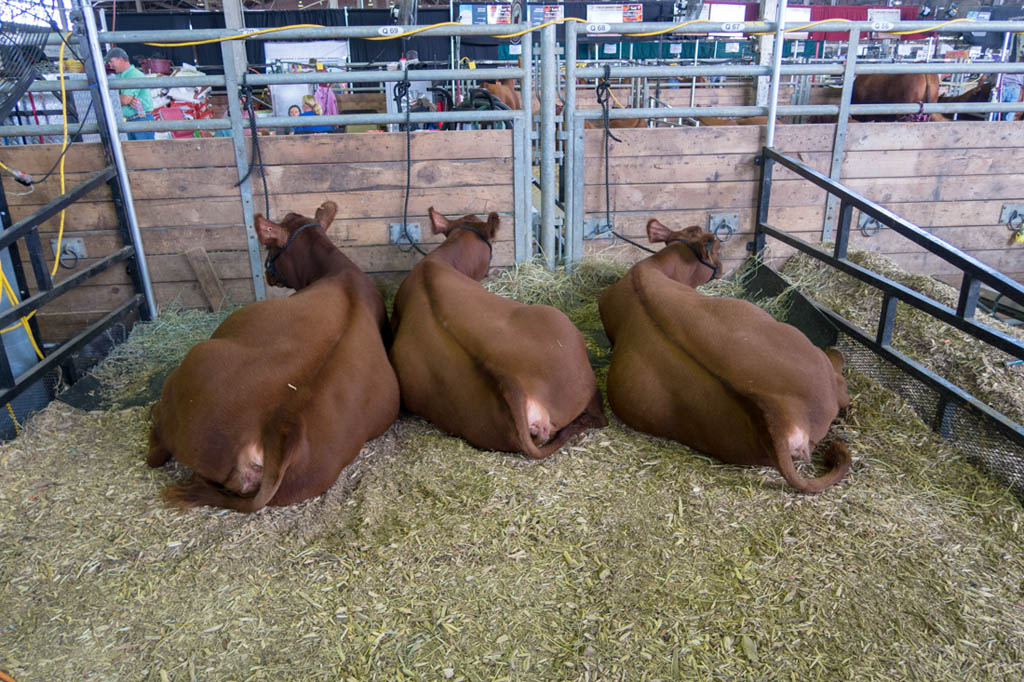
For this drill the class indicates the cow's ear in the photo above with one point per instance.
(438, 222)
(493, 223)
(325, 214)
(270, 233)
(656, 232)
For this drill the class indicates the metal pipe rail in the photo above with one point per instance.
(974, 273)
(970, 265)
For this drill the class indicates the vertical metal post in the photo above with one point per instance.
(997, 91)
(843, 234)
(521, 190)
(839, 140)
(19, 269)
(573, 234)
(764, 195)
(773, 94)
(547, 144)
(522, 146)
(766, 48)
(886, 317)
(968, 301)
(235, 64)
(105, 115)
(693, 80)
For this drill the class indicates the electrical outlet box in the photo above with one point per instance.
(597, 229)
(411, 234)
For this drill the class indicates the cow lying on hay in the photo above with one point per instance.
(718, 374)
(502, 375)
(286, 391)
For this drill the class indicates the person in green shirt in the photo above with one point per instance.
(136, 104)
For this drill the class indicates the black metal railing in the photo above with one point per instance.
(974, 272)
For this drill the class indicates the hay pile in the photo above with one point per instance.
(973, 365)
(622, 557)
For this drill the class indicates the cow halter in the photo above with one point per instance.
(268, 264)
(697, 254)
(478, 233)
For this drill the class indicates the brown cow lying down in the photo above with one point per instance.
(286, 391)
(501, 374)
(717, 374)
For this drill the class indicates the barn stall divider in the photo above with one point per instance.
(960, 191)
(706, 175)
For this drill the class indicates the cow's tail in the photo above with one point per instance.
(789, 441)
(526, 412)
(283, 441)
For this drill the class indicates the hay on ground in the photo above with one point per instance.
(622, 557)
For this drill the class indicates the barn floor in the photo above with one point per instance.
(622, 557)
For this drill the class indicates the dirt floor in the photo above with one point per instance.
(621, 557)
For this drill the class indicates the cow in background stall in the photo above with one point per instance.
(501, 374)
(286, 391)
(717, 374)
(897, 88)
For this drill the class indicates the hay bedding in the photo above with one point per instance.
(623, 557)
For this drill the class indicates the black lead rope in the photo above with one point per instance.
(603, 97)
(697, 254)
(478, 233)
(268, 264)
(256, 156)
(402, 93)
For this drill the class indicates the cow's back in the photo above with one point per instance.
(315, 356)
(701, 369)
(459, 347)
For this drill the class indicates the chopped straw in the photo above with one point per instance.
(621, 557)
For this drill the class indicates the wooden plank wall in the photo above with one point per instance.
(952, 178)
(185, 198)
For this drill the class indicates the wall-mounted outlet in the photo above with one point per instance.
(410, 235)
(597, 228)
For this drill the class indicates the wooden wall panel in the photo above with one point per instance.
(185, 198)
(951, 178)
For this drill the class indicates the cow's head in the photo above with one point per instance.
(288, 262)
(691, 245)
(469, 235)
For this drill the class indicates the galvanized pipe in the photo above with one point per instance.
(110, 117)
(773, 88)
(586, 114)
(839, 140)
(573, 233)
(548, 74)
(736, 70)
(629, 28)
(523, 163)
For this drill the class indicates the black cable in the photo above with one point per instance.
(402, 93)
(255, 156)
(76, 133)
(603, 95)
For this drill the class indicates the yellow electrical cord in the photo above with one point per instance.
(406, 34)
(546, 23)
(929, 28)
(247, 34)
(63, 156)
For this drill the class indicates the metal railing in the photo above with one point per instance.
(974, 274)
(575, 118)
